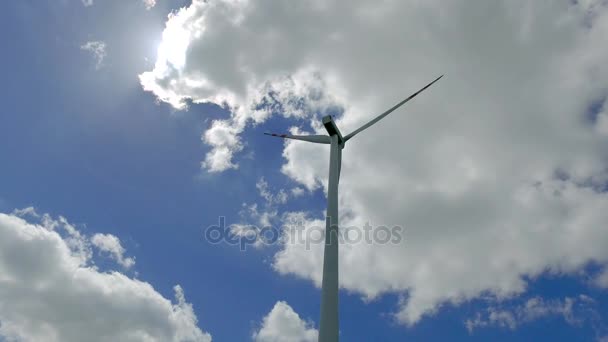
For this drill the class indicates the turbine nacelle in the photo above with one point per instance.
(332, 129)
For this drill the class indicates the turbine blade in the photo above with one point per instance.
(319, 139)
(381, 116)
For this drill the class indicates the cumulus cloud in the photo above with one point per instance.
(497, 172)
(109, 243)
(51, 291)
(283, 324)
(223, 137)
(97, 50)
(87, 3)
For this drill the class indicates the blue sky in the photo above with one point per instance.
(90, 144)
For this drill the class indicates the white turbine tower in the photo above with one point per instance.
(329, 323)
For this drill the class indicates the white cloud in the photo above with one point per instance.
(495, 172)
(264, 215)
(280, 197)
(283, 324)
(601, 279)
(574, 310)
(149, 4)
(97, 49)
(29, 211)
(50, 291)
(223, 137)
(297, 191)
(111, 244)
(255, 219)
(261, 217)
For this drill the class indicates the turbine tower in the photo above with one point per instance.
(329, 322)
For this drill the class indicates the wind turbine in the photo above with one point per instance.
(329, 323)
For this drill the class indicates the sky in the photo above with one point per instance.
(131, 129)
